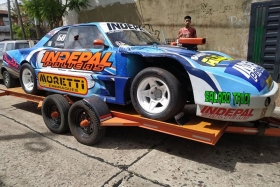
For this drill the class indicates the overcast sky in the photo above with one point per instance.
(4, 1)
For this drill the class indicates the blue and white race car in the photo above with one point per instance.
(122, 63)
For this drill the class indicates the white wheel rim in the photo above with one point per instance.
(27, 79)
(153, 95)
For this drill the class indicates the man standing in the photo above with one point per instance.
(187, 32)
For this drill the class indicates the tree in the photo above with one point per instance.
(52, 11)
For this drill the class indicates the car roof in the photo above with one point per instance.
(15, 41)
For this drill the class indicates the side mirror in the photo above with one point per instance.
(98, 42)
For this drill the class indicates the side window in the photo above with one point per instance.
(83, 37)
(22, 45)
(9, 46)
(1, 50)
(58, 39)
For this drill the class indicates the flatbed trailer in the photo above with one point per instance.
(198, 129)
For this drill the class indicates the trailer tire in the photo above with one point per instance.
(55, 110)
(8, 80)
(28, 80)
(157, 94)
(84, 123)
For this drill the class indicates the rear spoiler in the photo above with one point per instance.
(195, 41)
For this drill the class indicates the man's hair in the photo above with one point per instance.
(188, 17)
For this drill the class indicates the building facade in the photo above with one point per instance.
(224, 23)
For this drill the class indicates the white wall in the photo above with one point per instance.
(72, 17)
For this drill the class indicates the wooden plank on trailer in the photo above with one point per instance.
(198, 129)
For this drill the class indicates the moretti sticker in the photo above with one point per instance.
(77, 60)
(250, 72)
(226, 97)
(77, 85)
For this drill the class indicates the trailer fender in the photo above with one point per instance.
(85, 117)
(99, 107)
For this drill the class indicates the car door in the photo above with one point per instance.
(75, 51)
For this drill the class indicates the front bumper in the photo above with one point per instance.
(259, 107)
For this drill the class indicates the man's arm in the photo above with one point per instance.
(180, 34)
(194, 33)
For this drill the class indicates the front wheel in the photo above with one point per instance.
(28, 79)
(157, 94)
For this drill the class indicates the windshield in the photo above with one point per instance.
(131, 37)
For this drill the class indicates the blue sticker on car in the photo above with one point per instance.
(250, 72)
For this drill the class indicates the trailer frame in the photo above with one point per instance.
(198, 129)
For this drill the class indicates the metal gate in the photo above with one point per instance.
(264, 36)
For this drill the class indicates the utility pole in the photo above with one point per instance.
(20, 20)
(10, 20)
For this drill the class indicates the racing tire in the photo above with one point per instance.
(55, 110)
(157, 94)
(28, 80)
(84, 124)
(8, 81)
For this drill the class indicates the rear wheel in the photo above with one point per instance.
(9, 82)
(84, 124)
(28, 79)
(55, 113)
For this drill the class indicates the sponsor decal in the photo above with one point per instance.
(72, 84)
(10, 61)
(249, 72)
(123, 26)
(226, 113)
(198, 55)
(226, 97)
(213, 60)
(269, 80)
(77, 60)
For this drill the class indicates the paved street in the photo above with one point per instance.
(127, 156)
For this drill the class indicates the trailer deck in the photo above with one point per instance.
(198, 129)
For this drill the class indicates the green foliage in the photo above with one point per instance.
(78, 5)
(52, 11)
(18, 33)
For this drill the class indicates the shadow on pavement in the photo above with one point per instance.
(230, 149)
(28, 106)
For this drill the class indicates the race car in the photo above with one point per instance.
(122, 63)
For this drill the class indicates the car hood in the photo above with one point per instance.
(212, 67)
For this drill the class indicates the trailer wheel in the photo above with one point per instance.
(157, 94)
(28, 79)
(9, 82)
(84, 124)
(55, 113)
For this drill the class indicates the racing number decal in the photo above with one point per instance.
(61, 37)
(77, 60)
(213, 60)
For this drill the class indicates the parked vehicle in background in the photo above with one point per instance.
(6, 73)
